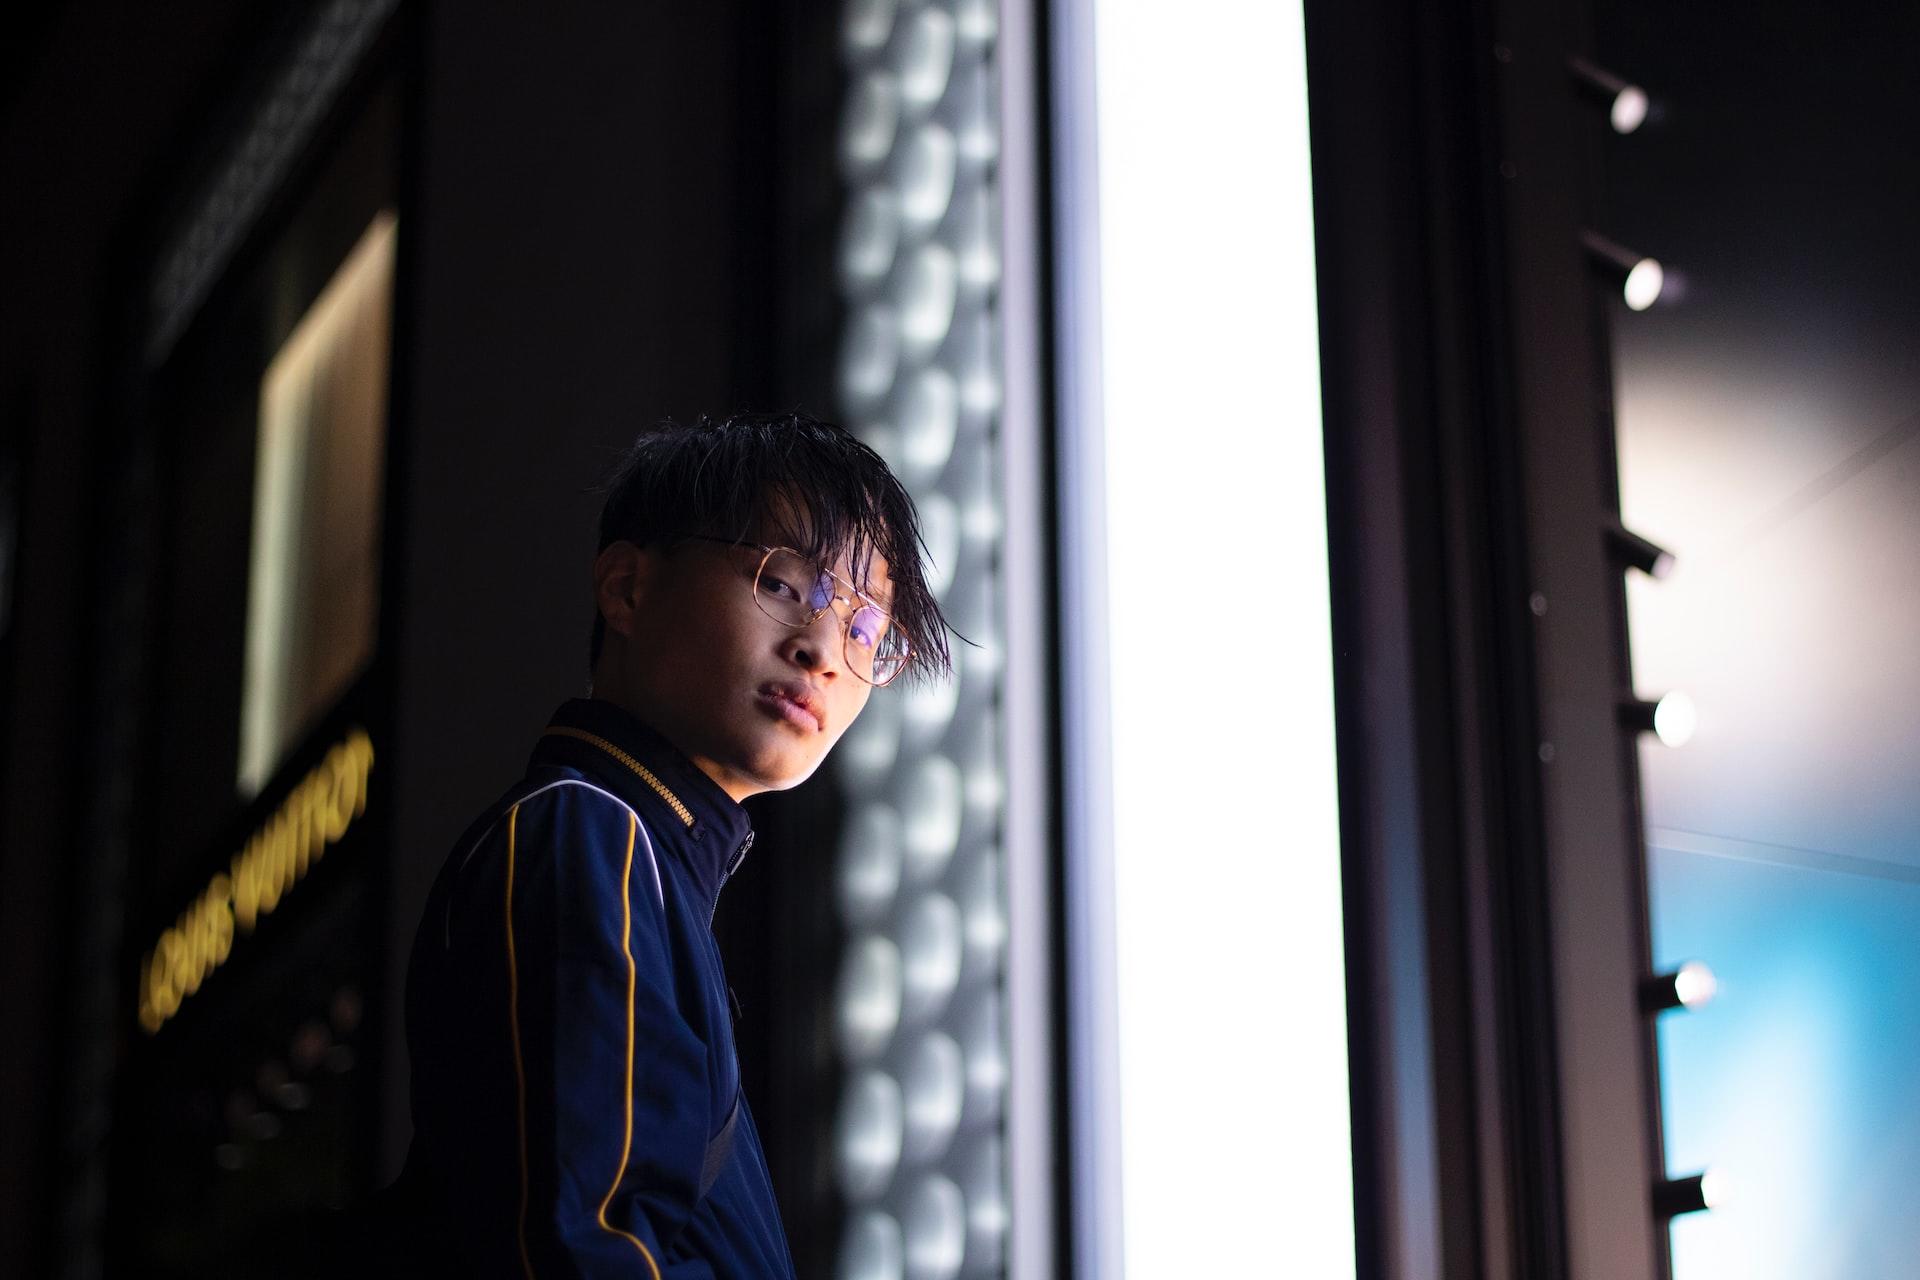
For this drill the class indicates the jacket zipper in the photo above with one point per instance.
(739, 856)
(733, 865)
(646, 775)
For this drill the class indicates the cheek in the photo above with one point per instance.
(720, 638)
(697, 664)
(850, 710)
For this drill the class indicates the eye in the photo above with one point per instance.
(778, 587)
(867, 627)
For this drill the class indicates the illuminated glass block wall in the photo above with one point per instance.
(920, 1001)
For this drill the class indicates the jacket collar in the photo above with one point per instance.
(684, 809)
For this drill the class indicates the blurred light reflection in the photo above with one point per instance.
(936, 1229)
(870, 862)
(924, 290)
(869, 997)
(872, 116)
(923, 56)
(923, 172)
(868, 357)
(873, 1249)
(934, 1087)
(868, 1135)
(865, 25)
(930, 950)
(867, 243)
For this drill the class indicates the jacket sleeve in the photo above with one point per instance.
(611, 1081)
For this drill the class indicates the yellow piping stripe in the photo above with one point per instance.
(626, 1140)
(646, 774)
(519, 1068)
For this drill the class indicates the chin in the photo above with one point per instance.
(778, 770)
(785, 779)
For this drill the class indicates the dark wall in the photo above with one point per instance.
(617, 214)
(98, 96)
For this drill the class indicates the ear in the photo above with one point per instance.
(623, 574)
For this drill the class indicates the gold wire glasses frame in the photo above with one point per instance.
(879, 662)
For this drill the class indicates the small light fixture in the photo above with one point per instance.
(1672, 718)
(1688, 987)
(1627, 104)
(1636, 552)
(1705, 1190)
(1641, 278)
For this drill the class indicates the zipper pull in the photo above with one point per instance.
(739, 856)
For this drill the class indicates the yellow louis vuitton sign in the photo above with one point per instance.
(316, 814)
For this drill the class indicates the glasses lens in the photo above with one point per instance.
(792, 589)
(876, 649)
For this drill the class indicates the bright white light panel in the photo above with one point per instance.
(919, 1007)
(1229, 971)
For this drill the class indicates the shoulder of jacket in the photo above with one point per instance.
(541, 792)
(537, 791)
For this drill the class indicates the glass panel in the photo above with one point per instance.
(923, 1055)
(1796, 1079)
(313, 590)
(1768, 414)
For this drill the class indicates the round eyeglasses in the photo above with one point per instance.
(794, 590)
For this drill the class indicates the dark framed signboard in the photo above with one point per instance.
(245, 699)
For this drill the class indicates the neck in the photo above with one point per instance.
(737, 786)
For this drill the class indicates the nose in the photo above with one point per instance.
(817, 646)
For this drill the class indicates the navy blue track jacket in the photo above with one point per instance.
(576, 1099)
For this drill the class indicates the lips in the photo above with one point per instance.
(796, 702)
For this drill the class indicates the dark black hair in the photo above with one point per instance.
(829, 493)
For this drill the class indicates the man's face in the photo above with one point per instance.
(756, 704)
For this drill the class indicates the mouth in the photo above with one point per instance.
(793, 706)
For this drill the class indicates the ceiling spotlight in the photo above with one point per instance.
(1629, 109)
(1644, 283)
(1641, 278)
(1688, 987)
(1637, 552)
(1627, 104)
(1672, 719)
(1705, 1190)
(1694, 984)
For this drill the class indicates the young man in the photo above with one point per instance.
(576, 1099)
